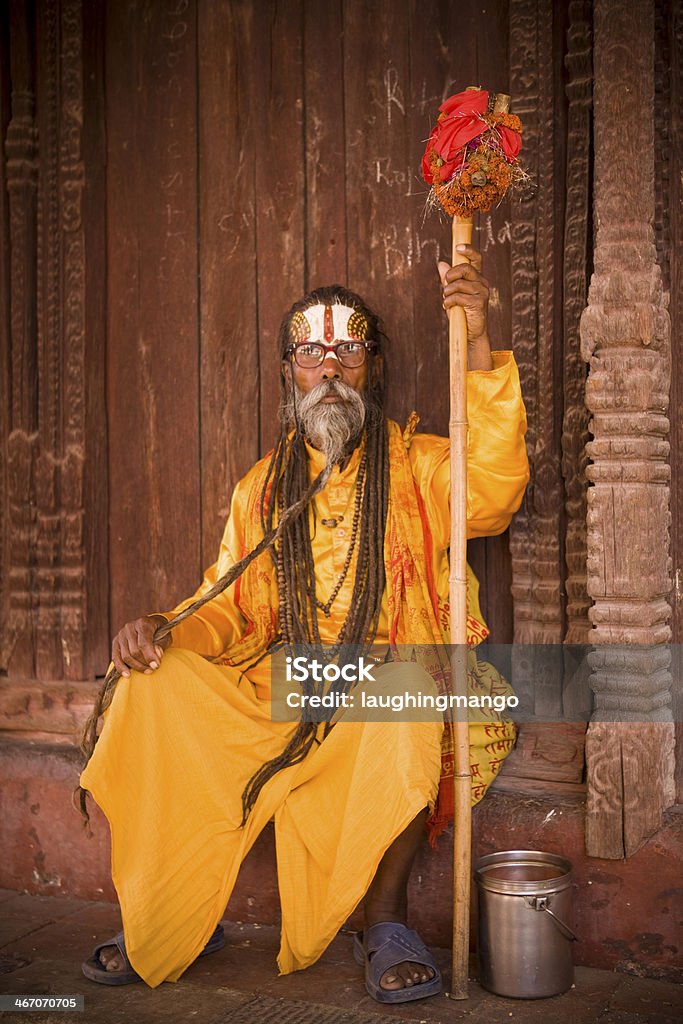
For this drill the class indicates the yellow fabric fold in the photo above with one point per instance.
(178, 747)
(169, 769)
(497, 474)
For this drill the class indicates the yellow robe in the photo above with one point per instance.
(178, 747)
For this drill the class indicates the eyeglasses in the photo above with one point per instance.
(310, 354)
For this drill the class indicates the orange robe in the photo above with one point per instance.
(177, 748)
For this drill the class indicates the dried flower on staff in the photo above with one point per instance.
(471, 155)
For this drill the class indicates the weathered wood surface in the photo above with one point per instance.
(675, 247)
(325, 234)
(255, 150)
(277, 157)
(95, 540)
(577, 238)
(551, 751)
(548, 294)
(21, 177)
(54, 431)
(311, 121)
(5, 320)
(54, 711)
(669, 240)
(228, 347)
(252, 151)
(490, 556)
(536, 221)
(378, 171)
(625, 334)
(152, 310)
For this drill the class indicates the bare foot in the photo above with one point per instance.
(406, 975)
(111, 959)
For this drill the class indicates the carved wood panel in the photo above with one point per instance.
(548, 294)
(21, 171)
(5, 320)
(577, 243)
(536, 532)
(669, 239)
(54, 588)
(625, 335)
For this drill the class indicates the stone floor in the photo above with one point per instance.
(43, 941)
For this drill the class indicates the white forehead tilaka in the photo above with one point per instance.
(341, 315)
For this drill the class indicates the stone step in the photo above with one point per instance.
(626, 913)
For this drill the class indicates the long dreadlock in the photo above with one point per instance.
(293, 556)
(291, 493)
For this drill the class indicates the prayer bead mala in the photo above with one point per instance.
(357, 505)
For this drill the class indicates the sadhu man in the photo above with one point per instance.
(190, 764)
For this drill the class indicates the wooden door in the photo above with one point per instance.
(255, 150)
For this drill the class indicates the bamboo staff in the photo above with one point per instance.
(475, 155)
(457, 581)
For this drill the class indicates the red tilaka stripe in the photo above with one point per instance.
(329, 324)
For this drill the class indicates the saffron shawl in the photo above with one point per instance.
(418, 619)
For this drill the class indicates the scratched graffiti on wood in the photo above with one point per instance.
(252, 151)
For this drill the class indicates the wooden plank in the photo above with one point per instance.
(21, 170)
(228, 316)
(493, 238)
(434, 44)
(59, 710)
(575, 433)
(630, 588)
(548, 750)
(444, 39)
(326, 198)
(5, 322)
(378, 169)
(504, 784)
(152, 350)
(672, 153)
(277, 101)
(95, 482)
(489, 558)
(59, 335)
(494, 229)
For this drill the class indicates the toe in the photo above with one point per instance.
(406, 975)
(422, 973)
(110, 958)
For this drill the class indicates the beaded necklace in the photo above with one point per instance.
(327, 605)
(357, 505)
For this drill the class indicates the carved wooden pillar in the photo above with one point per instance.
(56, 505)
(535, 535)
(625, 335)
(20, 441)
(575, 433)
(553, 751)
(669, 237)
(546, 318)
(576, 694)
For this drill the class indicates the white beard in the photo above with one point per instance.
(329, 426)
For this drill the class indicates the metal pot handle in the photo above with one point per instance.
(541, 903)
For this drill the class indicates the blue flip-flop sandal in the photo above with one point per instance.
(385, 945)
(95, 970)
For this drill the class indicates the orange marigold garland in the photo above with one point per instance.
(471, 156)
